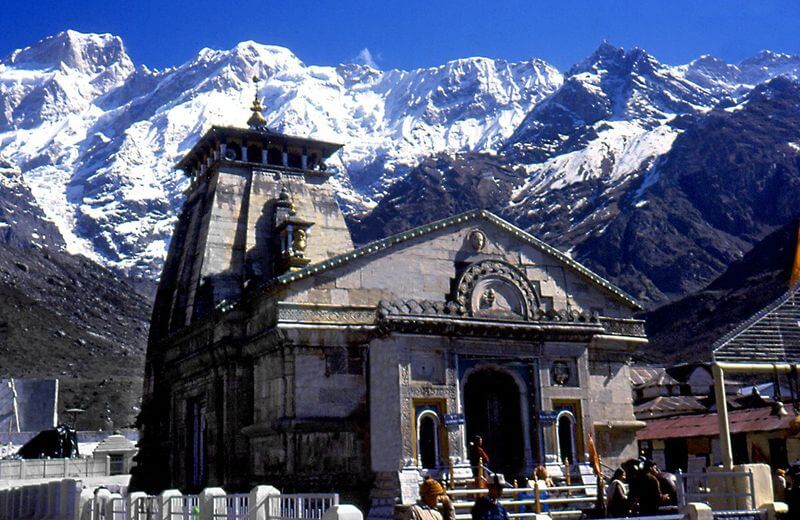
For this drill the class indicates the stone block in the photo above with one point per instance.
(698, 511)
(261, 506)
(343, 512)
(349, 280)
(339, 297)
(210, 507)
(165, 502)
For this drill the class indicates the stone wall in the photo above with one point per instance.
(424, 268)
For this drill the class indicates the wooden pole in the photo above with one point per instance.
(451, 481)
(567, 474)
(537, 499)
(479, 481)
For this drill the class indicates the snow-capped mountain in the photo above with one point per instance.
(96, 136)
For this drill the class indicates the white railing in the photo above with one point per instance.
(26, 469)
(297, 506)
(524, 502)
(26, 502)
(118, 509)
(184, 507)
(716, 487)
(146, 508)
(233, 506)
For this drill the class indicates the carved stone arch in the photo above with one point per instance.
(492, 288)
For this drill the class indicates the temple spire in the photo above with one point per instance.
(257, 119)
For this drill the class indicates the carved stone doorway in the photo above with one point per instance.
(492, 410)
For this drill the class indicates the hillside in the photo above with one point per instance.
(685, 329)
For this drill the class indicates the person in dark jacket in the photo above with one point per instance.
(651, 496)
(488, 507)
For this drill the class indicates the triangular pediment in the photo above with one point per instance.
(395, 241)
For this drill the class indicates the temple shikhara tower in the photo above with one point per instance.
(281, 354)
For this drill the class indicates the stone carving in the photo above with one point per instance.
(496, 289)
(300, 313)
(299, 243)
(489, 297)
(477, 239)
(560, 373)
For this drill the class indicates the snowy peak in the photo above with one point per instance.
(87, 53)
(766, 65)
(721, 77)
(610, 85)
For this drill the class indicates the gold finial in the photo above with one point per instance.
(257, 119)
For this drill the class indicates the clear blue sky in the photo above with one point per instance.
(417, 33)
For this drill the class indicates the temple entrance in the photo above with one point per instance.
(492, 410)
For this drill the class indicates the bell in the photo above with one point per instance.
(778, 409)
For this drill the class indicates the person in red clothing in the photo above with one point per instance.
(476, 452)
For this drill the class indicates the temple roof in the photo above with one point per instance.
(222, 132)
(770, 336)
(391, 241)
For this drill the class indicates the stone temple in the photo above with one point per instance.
(280, 353)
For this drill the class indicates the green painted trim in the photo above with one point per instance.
(383, 244)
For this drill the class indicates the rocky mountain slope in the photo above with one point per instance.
(662, 223)
(63, 316)
(685, 329)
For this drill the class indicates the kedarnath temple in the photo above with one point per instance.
(279, 353)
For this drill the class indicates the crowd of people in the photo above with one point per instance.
(636, 489)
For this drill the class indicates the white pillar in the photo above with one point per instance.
(54, 500)
(343, 512)
(131, 505)
(38, 500)
(264, 156)
(304, 161)
(722, 416)
(69, 493)
(164, 502)
(244, 153)
(260, 503)
(108, 505)
(285, 158)
(85, 503)
(207, 502)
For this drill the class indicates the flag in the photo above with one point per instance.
(796, 267)
(594, 458)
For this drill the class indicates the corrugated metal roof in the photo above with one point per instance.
(706, 425)
(668, 405)
(641, 375)
(770, 336)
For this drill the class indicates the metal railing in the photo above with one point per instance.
(234, 506)
(146, 508)
(23, 469)
(527, 502)
(698, 487)
(184, 507)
